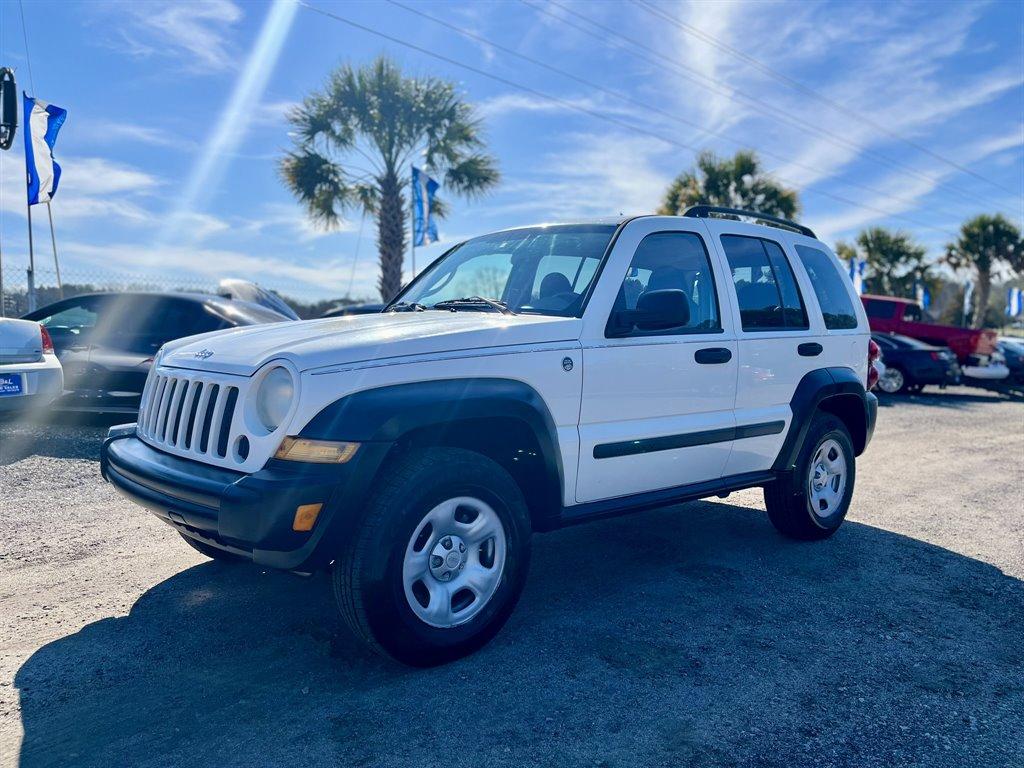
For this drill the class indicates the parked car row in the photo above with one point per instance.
(917, 352)
(105, 342)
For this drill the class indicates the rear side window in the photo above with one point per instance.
(829, 287)
(766, 290)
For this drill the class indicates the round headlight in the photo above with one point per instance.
(274, 398)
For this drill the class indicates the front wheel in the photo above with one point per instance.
(811, 501)
(438, 562)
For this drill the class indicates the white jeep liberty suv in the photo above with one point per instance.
(527, 380)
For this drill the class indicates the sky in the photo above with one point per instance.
(906, 115)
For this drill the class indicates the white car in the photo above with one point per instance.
(30, 374)
(527, 380)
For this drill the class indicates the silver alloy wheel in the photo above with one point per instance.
(454, 561)
(892, 381)
(826, 479)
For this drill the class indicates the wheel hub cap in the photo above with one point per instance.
(447, 558)
(826, 482)
(454, 561)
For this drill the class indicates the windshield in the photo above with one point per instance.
(537, 270)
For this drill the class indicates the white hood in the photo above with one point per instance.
(311, 344)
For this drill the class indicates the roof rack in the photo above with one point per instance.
(705, 212)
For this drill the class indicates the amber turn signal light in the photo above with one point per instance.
(305, 517)
(316, 451)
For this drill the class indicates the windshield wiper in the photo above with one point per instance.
(406, 306)
(473, 302)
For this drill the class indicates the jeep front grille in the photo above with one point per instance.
(189, 414)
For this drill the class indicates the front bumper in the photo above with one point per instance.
(247, 514)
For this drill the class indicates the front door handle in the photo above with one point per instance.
(810, 349)
(712, 356)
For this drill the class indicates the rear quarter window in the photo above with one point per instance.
(830, 288)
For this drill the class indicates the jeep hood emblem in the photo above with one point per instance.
(204, 353)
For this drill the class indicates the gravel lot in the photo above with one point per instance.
(692, 635)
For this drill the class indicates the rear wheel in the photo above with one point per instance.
(437, 564)
(811, 501)
(894, 381)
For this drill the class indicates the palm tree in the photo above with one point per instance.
(987, 244)
(894, 261)
(736, 183)
(356, 140)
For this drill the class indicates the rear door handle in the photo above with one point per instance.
(712, 356)
(810, 349)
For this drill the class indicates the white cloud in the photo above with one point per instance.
(195, 33)
(329, 276)
(593, 175)
(294, 222)
(90, 188)
(516, 103)
(272, 113)
(913, 192)
(107, 132)
(721, 20)
(99, 176)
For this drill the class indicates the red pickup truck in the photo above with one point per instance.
(973, 348)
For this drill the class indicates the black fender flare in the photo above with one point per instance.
(813, 393)
(386, 414)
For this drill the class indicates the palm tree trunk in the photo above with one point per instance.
(390, 236)
(984, 289)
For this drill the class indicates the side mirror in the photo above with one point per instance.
(655, 311)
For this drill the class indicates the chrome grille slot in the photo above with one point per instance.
(193, 414)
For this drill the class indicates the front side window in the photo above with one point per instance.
(671, 261)
(537, 270)
(766, 290)
(830, 288)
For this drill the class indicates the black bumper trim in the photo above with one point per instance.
(247, 514)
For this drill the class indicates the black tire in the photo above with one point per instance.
(367, 574)
(788, 499)
(212, 552)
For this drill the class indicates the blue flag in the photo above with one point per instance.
(857, 274)
(1014, 302)
(922, 294)
(424, 226)
(42, 122)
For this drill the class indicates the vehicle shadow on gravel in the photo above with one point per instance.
(941, 399)
(683, 636)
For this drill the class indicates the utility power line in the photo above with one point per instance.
(582, 109)
(614, 37)
(808, 91)
(632, 100)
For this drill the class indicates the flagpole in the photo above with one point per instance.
(53, 240)
(412, 222)
(31, 266)
(3, 312)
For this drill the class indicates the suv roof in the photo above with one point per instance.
(693, 212)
